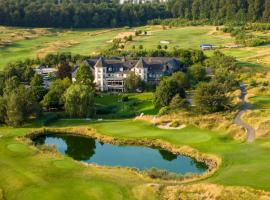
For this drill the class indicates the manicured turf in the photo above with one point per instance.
(27, 174)
(262, 102)
(88, 41)
(190, 37)
(243, 164)
(84, 41)
(136, 104)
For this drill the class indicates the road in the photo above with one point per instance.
(246, 106)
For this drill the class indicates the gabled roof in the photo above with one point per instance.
(141, 64)
(100, 62)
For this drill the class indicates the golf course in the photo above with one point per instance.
(20, 43)
(29, 173)
(47, 170)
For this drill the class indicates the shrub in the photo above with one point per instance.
(175, 124)
(162, 174)
(125, 98)
(164, 111)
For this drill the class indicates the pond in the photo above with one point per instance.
(90, 150)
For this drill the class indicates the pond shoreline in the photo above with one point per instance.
(213, 162)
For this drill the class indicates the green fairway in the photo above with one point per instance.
(188, 37)
(84, 41)
(243, 164)
(27, 174)
(89, 41)
(261, 102)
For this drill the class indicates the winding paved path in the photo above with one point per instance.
(246, 106)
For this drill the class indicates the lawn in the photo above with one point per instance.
(137, 103)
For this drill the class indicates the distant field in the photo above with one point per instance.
(187, 37)
(85, 41)
(18, 43)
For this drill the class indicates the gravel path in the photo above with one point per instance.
(250, 130)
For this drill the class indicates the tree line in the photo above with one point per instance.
(77, 14)
(220, 11)
(105, 13)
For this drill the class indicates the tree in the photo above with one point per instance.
(54, 98)
(37, 87)
(227, 78)
(132, 82)
(181, 78)
(211, 97)
(178, 103)
(221, 61)
(166, 90)
(37, 80)
(84, 75)
(2, 110)
(64, 70)
(11, 84)
(20, 105)
(2, 83)
(197, 73)
(79, 101)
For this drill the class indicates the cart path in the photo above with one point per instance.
(246, 106)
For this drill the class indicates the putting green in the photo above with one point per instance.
(18, 148)
(133, 129)
(64, 164)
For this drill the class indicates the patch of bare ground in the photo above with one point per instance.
(212, 192)
(52, 47)
(212, 161)
(218, 33)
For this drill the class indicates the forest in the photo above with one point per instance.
(36, 13)
(105, 13)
